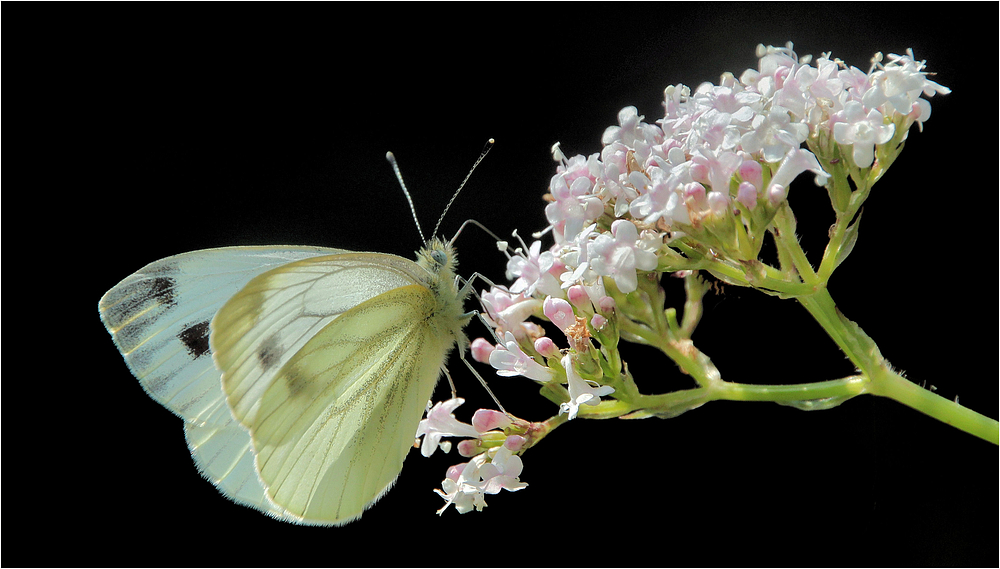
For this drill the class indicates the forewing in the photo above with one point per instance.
(334, 426)
(259, 329)
(159, 319)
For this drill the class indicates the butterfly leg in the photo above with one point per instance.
(451, 383)
(483, 381)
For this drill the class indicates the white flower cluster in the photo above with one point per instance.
(489, 471)
(721, 151)
(712, 173)
(714, 169)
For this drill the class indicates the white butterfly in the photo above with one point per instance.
(301, 373)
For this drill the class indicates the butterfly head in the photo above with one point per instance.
(438, 258)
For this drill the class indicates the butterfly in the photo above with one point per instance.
(301, 373)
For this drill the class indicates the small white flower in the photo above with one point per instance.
(441, 422)
(580, 392)
(862, 131)
(510, 360)
(618, 255)
(715, 168)
(502, 473)
(612, 183)
(829, 83)
(775, 64)
(898, 85)
(662, 201)
(467, 484)
(628, 130)
(638, 136)
(533, 272)
(574, 205)
(797, 161)
(463, 487)
(732, 99)
(774, 134)
(855, 81)
(795, 93)
(505, 311)
(573, 254)
(715, 130)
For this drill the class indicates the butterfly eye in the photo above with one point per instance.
(439, 257)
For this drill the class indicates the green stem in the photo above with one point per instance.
(877, 376)
(772, 279)
(862, 350)
(731, 272)
(786, 240)
(535, 432)
(838, 388)
(821, 306)
(827, 265)
(845, 215)
(884, 381)
(888, 383)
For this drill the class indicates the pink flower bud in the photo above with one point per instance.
(481, 350)
(747, 195)
(487, 419)
(750, 171)
(719, 202)
(514, 442)
(559, 312)
(546, 347)
(777, 194)
(606, 304)
(694, 194)
(455, 471)
(469, 447)
(578, 297)
(598, 321)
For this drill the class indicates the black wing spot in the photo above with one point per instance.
(269, 353)
(297, 384)
(195, 339)
(162, 289)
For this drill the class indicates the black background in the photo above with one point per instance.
(138, 131)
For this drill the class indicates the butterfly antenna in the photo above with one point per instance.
(502, 244)
(477, 224)
(486, 149)
(395, 168)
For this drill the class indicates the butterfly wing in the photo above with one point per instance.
(224, 455)
(329, 363)
(159, 320)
